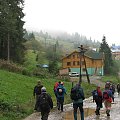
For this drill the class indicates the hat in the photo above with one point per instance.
(43, 89)
(39, 82)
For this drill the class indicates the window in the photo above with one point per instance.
(78, 63)
(68, 63)
(74, 63)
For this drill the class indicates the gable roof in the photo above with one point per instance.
(90, 53)
(94, 55)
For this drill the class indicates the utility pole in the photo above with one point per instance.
(81, 55)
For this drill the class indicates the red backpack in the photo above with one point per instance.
(105, 95)
(55, 86)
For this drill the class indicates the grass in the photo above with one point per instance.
(16, 94)
(113, 79)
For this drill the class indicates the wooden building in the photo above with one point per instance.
(94, 63)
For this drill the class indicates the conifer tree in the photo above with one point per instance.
(11, 30)
(108, 62)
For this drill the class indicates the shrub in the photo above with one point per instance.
(42, 73)
(12, 67)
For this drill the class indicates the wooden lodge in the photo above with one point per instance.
(94, 63)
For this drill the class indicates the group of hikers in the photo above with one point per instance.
(44, 101)
(106, 97)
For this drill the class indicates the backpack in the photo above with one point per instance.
(60, 91)
(75, 94)
(105, 95)
(38, 89)
(44, 104)
(55, 86)
(95, 94)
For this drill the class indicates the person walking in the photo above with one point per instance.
(118, 88)
(60, 93)
(44, 103)
(107, 98)
(112, 88)
(55, 89)
(37, 92)
(77, 95)
(97, 97)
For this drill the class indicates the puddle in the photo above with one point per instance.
(87, 112)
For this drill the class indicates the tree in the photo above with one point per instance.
(11, 30)
(108, 62)
(31, 36)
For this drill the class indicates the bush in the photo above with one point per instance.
(12, 67)
(42, 73)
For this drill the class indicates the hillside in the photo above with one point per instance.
(16, 94)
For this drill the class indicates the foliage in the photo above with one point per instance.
(114, 69)
(42, 73)
(30, 60)
(108, 62)
(53, 67)
(11, 30)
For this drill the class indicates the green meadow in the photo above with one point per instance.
(16, 94)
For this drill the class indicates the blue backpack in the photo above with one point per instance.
(60, 91)
(95, 94)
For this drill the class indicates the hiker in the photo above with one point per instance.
(55, 88)
(37, 92)
(77, 96)
(107, 98)
(112, 88)
(97, 97)
(44, 103)
(60, 92)
(118, 88)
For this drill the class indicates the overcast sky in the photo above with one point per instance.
(92, 18)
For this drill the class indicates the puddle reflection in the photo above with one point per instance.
(87, 112)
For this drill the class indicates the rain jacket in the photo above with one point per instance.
(64, 92)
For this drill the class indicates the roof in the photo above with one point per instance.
(94, 55)
(91, 54)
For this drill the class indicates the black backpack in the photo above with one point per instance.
(38, 89)
(44, 103)
(75, 94)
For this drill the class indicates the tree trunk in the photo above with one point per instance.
(8, 55)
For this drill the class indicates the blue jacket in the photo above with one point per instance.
(63, 92)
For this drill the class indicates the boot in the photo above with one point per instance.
(82, 115)
(97, 112)
(108, 112)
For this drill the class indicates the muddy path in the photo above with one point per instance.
(89, 108)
